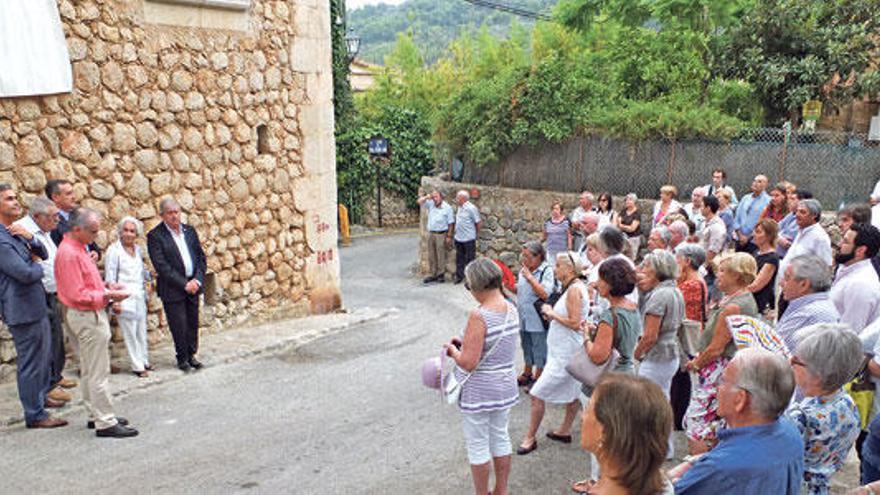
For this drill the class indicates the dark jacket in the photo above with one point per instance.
(22, 299)
(170, 272)
(63, 227)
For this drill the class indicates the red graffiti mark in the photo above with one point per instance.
(324, 256)
(320, 227)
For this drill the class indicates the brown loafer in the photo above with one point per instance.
(52, 403)
(59, 394)
(67, 383)
(49, 422)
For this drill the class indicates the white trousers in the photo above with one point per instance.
(134, 330)
(486, 436)
(661, 373)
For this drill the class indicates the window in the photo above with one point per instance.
(208, 14)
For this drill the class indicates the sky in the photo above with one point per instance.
(354, 4)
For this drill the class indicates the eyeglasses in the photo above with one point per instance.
(795, 361)
(467, 286)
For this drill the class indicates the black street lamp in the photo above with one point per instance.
(352, 44)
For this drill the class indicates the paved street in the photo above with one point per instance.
(345, 413)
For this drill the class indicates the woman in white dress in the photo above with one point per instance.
(124, 264)
(564, 338)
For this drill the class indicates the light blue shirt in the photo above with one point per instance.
(788, 228)
(802, 312)
(466, 219)
(526, 297)
(439, 217)
(766, 458)
(749, 212)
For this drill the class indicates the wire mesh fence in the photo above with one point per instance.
(836, 167)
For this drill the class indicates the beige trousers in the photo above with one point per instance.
(91, 331)
(436, 253)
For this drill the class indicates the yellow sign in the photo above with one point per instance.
(812, 110)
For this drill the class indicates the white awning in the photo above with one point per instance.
(33, 51)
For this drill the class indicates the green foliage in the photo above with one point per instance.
(411, 148)
(792, 51)
(343, 103)
(432, 24)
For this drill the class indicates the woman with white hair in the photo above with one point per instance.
(662, 311)
(564, 338)
(124, 264)
(827, 357)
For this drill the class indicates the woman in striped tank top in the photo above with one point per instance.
(484, 358)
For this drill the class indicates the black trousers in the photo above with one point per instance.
(465, 252)
(183, 320)
(56, 340)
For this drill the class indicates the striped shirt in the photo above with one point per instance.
(492, 386)
(804, 311)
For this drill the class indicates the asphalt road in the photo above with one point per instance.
(342, 414)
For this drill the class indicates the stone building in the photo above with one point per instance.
(226, 105)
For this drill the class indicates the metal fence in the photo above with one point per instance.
(836, 167)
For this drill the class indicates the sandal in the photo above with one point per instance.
(583, 486)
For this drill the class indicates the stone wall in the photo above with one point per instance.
(396, 213)
(514, 216)
(233, 119)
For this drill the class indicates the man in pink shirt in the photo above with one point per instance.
(82, 290)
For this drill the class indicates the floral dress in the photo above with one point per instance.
(830, 426)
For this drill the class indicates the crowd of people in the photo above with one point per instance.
(51, 286)
(758, 418)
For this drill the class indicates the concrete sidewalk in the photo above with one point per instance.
(215, 350)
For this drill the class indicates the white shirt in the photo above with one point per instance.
(180, 241)
(856, 294)
(695, 216)
(49, 263)
(875, 210)
(121, 267)
(811, 240)
(714, 236)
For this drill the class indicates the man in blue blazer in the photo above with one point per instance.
(180, 265)
(23, 309)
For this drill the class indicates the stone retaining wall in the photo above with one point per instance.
(396, 213)
(233, 119)
(514, 216)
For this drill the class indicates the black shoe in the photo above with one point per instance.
(428, 280)
(184, 366)
(439, 279)
(527, 450)
(117, 431)
(458, 280)
(195, 363)
(120, 420)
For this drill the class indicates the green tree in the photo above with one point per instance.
(792, 51)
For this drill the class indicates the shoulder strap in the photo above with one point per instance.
(491, 349)
(703, 301)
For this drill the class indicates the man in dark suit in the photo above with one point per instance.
(23, 309)
(180, 265)
(60, 191)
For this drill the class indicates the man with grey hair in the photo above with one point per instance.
(805, 285)
(440, 223)
(679, 231)
(810, 239)
(758, 452)
(585, 205)
(180, 265)
(82, 290)
(694, 209)
(659, 238)
(467, 230)
(748, 213)
(41, 220)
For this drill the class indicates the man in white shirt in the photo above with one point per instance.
(440, 223)
(719, 177)
(585, 205)
(856, 289)
(41, 220)
(467, 230)
(811, 237)
(694, 209)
